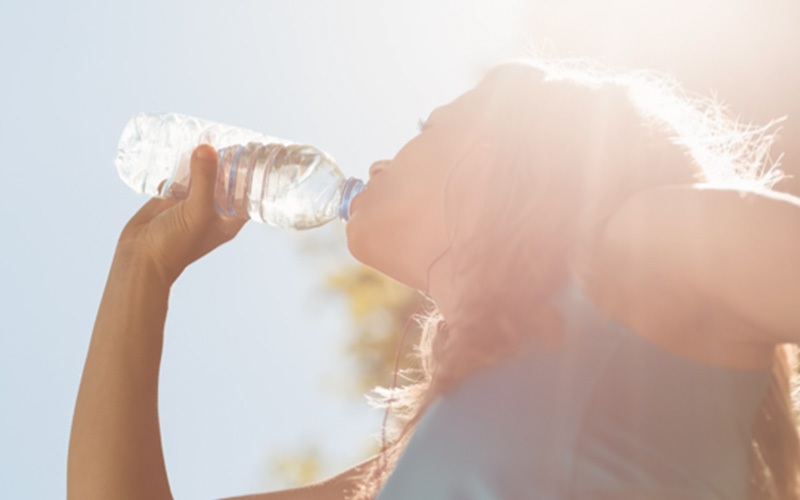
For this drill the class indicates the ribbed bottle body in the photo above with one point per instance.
(294, 186)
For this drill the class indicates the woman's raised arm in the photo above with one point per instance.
(738, 249)
(115, 444)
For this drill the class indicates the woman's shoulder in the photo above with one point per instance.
(704, 272)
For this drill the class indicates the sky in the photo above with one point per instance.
(253, 350)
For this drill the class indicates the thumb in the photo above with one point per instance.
(203, 178)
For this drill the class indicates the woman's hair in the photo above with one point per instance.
(570, 141)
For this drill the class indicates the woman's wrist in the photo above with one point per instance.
(140, 268)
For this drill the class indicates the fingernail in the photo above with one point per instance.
(204, 153)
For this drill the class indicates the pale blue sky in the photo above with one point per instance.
(252, 345)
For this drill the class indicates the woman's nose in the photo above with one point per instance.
(377, 167)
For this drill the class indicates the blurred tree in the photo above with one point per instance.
(298, 469)
(381, 309)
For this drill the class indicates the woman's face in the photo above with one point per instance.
(406, 216)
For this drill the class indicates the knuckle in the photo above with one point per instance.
(225, 229)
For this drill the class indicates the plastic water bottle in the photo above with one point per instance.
(263, 178)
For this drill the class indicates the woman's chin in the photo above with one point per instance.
(365, 244)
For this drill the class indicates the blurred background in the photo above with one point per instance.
(273, 340)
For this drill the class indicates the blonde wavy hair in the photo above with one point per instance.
(557, 128)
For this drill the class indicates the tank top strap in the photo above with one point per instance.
(583, 321)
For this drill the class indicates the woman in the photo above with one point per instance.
(606, 328)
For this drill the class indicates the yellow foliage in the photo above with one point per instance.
(300, 469)
(380, 308)
(368, 290)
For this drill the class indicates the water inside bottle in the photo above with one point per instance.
(294, 186)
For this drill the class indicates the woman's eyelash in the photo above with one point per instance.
(422, 124)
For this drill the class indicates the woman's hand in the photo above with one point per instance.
(168, 235)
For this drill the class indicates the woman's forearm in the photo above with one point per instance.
(115, 444)
(734, 248)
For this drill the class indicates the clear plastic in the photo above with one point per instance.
(263, 178)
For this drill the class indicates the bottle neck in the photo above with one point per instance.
(350, 190)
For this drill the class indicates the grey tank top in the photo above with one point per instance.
(606, 416)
